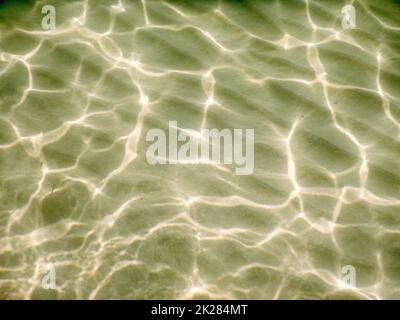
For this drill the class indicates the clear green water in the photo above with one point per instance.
(77, 193)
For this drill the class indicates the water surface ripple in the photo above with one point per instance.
(77, 193)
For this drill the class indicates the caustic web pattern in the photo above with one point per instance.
(77, 193)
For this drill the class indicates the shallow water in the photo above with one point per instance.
(76, 191)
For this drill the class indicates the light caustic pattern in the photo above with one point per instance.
(77, 193)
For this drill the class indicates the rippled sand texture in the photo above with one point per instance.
(77, 193)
